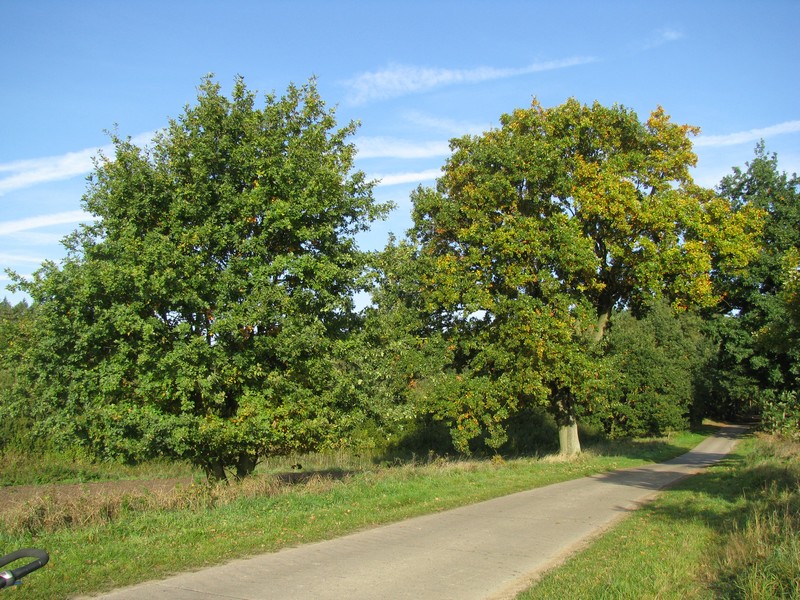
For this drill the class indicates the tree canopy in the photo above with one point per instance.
(537, 230)
(201, 314)
(758, 330)
(207, 311)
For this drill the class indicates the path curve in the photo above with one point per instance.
(489, 550)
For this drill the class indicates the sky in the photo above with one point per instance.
(415, 74)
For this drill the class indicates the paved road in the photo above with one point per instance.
(489, 550)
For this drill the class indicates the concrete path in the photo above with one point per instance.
(488, 550)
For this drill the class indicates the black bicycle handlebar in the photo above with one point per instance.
(12, 576)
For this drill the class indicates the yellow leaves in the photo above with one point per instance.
(660, 122)
(467, 422)
(580, 199)
(731, 235)
(658, 118)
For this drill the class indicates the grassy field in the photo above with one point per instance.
(97, 543)
(732, 531)
(29, 468)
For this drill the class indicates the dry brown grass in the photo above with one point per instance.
(49, 513)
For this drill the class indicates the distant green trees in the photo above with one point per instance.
(16, 323)
(758, 362)
(659, 362)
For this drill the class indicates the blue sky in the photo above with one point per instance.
(414, 73)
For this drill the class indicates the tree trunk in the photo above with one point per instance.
(215, 471)
(245, 465)
(568, 441)
(603, 316)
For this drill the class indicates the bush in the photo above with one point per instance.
(781, 415)
(658, 361)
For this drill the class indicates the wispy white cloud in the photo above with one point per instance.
(63, 218)
(26, 173)
(398, 178)
(663, 36)
(20, 258)
(751, 135)
(445, 125)
(399, 80)
(4, 277)
(386, 147)
(21, 174)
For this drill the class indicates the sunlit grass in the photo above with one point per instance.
(34, 468)
(730, 532)
(140, 538)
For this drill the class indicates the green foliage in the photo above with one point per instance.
(781, 415)
(790, 293)
(535, 232)
(760, 339)
(392, 350)
(659, 361)
(203, 314)
(732, 386)
(15, 329)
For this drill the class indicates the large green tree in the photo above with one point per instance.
(758, 334)
(203, 313)
(537, 230)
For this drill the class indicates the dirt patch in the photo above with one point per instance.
(14, 496)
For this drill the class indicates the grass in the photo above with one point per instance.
(113, 542)
(31, 468)
(730, 532)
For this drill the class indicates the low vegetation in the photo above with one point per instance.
(100, 542)
(730, 532)
(32, 468)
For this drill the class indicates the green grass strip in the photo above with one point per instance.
(138, 546)
(729, 532)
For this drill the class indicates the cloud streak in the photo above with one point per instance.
(400, 80)
(661, 37)
(386, 147)
(743, 137)
(62, 218)
(20, 258)
(27, 173)
(21, 174)
(399, 178)
(448, 126)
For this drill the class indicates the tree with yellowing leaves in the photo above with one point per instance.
(537, 230)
